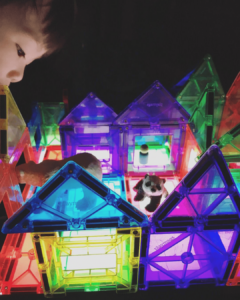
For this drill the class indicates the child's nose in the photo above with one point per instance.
(15, 75)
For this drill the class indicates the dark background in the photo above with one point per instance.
(119, 48)
(163, 293)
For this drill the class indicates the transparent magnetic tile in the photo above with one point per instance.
(212, 179)
(170, 184)
(71, 200)
(15, 122)
(188, 90)
(102, 261)
(184, 208)
(91, 110)
(20, 270)
(183, 257)
(231, 111)
(153, 105)
(208, 189)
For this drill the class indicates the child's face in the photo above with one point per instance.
(20, 41)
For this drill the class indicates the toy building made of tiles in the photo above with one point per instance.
(76, 233)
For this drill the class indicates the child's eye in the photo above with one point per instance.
(20, 52)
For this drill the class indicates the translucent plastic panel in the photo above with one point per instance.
(154, 105)
(231, 111)
(236, 176)
(212, 179)
(20, 271)
(188, 90)
(184, 208)
(115, 183)
(192, 159)
(234, 277)
(12, 194)
(91, 110)
(202, 201)
(89, 260)
(230, 143)
(50, 135)
(104, 145)
(39, 154)
(106, 212)
(156, 274)
(233, 148)
(51, 112)
(14, 124)
(159, 148)
(165, 145)
(208, 189)
(226, 206)
(131, 182)
(43, 126)
(183, 257)
(73, 199)
(201, 121)
(53, 152)
(157, 241)
(227, 237)
(191, 151)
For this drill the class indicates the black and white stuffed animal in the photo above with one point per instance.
(153, 187)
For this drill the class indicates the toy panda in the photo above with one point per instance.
(153, 187)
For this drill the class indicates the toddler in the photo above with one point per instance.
(29, 30)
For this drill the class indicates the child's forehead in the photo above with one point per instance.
(26, 17)
(23, 26)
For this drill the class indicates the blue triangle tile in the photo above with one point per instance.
(207, 196)
(91, 110)
(74, 200)
(155, 105)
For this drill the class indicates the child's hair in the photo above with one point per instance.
(58, 24)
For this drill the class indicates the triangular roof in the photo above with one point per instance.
(155, 105)
(190, 88)
(73, 199)
(14, 125)
(91, 110)
(207, 196)
(231, 111)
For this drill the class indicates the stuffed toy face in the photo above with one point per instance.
(153, 185)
